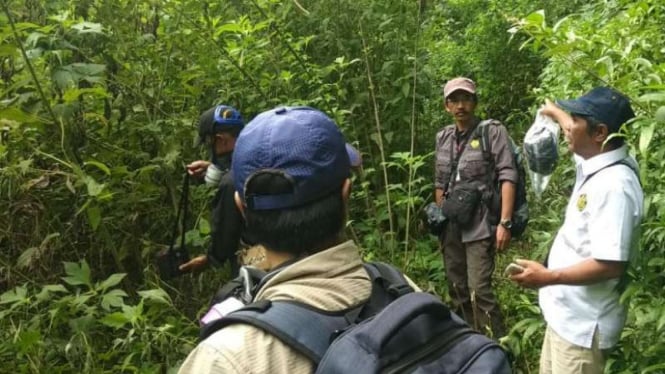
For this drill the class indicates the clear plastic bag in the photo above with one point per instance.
(541, 150)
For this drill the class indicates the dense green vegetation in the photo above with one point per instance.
(97, 118)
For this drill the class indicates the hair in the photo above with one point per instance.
(300, 230)
(592, 126)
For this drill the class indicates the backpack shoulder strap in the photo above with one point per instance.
(389, 278)
(292, 322)
(302, 328)
(483, 134)
(620, 162)
(637, 173)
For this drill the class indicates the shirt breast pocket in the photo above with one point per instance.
(443, 163)
(474, 166)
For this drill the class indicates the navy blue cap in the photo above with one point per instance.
(300, 143)
(217, 118)
(602, 103)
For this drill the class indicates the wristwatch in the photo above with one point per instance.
(506, 223)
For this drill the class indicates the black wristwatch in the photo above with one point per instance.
(506, 223)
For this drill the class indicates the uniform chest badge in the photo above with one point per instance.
(581, 202)
(474, 144)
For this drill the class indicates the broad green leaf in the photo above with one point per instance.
(643, 62)
(8, 50)
(63, 78)
(55, 288)
(654, 96)
(133, 313)
(656, 262)
(16, 114)
(17, 294)
(72, 94)
(48, 290)
(88, 27)
(83, 324)
(536, 18)
(661, 320)
(115, 320)
(77, 273)
(28, 340)
(660, 115)
(204, 226)
(645, 137)
(94, 188)
(156, 294)
(113, 299)
(658, 368)
(94, 216)
(87, 69)
(376, 138)
(228, 27)
(27, 257)
(99, 166)
(111, 281)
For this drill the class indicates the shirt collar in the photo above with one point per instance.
(595, 163)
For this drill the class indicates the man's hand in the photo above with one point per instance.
(198, 168)
(535, 275)
(549, 109)
(195, 264)
(502, 238)
(553, 111)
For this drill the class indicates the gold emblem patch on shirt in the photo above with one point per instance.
(474, 143)
(581, 202)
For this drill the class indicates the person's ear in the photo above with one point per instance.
(239, 204)
(602, 133)
(346, 190)
(445, 106)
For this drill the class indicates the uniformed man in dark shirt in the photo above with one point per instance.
(468, 249)
(219, 128)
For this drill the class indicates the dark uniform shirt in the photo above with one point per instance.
(228, 225)
(473, 166)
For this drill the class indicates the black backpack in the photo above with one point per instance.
(521, 209)
(396, 331)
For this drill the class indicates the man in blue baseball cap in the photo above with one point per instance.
(219, 128)
(579, 290)
(291, 169)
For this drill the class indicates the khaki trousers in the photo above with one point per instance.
(561, 357)
(469, 268)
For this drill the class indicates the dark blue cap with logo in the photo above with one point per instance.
(302, 145)
(602, 103)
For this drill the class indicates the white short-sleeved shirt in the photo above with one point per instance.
(602, 222)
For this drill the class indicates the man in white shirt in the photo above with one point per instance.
(580, 288)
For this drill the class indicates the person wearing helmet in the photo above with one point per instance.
(219, 128)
